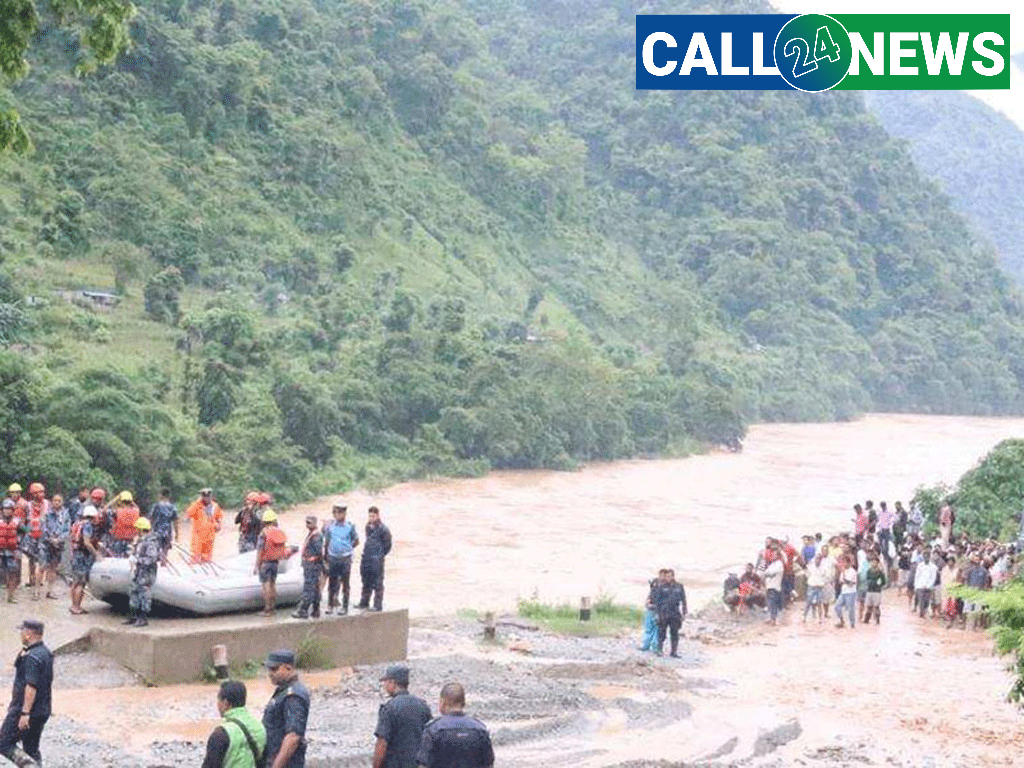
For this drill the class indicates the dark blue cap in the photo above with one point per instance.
(277, 658)
(32, 625)
(398, 673)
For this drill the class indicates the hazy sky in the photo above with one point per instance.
(1010, 103)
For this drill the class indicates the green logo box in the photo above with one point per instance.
(948, 51)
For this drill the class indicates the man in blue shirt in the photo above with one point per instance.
(340, 539)
(163, 516)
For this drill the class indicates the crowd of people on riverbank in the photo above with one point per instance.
(55, 538)
(883, 550)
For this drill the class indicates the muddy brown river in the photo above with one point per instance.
(483, 543)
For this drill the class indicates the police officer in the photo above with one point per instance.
(400, 722)
(146, 556)
(312, 570)
(285, 714)
(670, 603)
(454, 740)
(340, 538)
(30, 698)
(371, 567)
(163, 516)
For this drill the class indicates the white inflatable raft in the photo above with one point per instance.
(221, 587)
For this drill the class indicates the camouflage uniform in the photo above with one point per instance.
(148, 551)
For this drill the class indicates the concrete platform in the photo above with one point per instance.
(180, 650)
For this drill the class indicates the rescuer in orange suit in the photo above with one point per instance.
(206, 516)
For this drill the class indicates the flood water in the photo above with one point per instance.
(483, 543)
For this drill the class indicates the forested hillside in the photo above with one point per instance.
(976, 153)
(361, 239)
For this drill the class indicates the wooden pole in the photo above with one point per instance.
(220, 661)
(489, 629)
(584, 609)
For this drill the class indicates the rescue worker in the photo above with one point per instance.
(86, 549)
(11, 529)
(206, 516)
(248, 522)
(340, 539)
(455, 740)
(51, 550)
(31, 541)
(30, 698)
(312, 570)
(20, 505)
(241, 739)
(371, 567)
(400, 722)
(145, 558)
(286, 713)
(102, 523)
(163, 516)
(670, 604)
(122, 532)
(271, 548)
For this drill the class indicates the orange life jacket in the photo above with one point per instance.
(124, 522)
(274, 544)
(9, 534)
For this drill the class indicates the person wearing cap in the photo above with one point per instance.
(312, 570)
(240, 741)
(163, 516)
(271, 548)
(286, 713)
(20, 505)
(340, 540)
(248, 522)
(400, 722)
(11, 530)
(122, 533)
(455, 740)
(206, 516)
(145, 559)
(371, 567)
(86, 549)
(30, 698)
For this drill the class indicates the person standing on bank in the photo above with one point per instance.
(400, 722)
(371, 567)
(670, 604)
(340, 539)
(312, 570)
(145, 558)
(454, 740)
(285, 714)
(30, 698)
(240, 741)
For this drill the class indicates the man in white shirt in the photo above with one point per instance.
(816, 574)
(924, 582)
(773, 584)
(847, 594)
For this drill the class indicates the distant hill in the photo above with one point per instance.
(975, 152)
(355, 239)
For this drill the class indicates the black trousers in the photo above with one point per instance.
(310, 589)
(671, 624)
(339, 574)
(371, 571)
(10, 735)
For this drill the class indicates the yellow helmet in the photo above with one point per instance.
(14, 488)
(125, 496)
(270, 516)
(143, 524)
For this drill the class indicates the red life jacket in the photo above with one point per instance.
(9, 534)
(124, 522)
(275, 547)
(35, 518)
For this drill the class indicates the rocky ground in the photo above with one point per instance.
(740, 695)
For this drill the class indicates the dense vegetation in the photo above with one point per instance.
(356, 240)
(975, 152)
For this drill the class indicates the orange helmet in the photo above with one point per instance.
(98, 494)
(36, 488)
(252, 497)
(265, 498)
